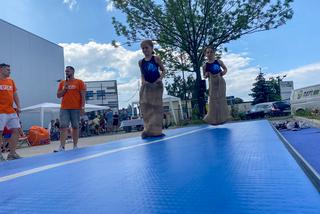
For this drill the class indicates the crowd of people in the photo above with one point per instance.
(290, 125)
(92, 125)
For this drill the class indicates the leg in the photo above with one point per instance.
(64, 125)
(1, 143)
(75, 120)
(13, 141)
(14, 125)
(63, 136)
(75, 137)
(1, 138)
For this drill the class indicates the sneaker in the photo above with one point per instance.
(13, 156)
(61, 149)
(75, 147)
(1, 157)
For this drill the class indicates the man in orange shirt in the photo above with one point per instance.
(72, 91)
(8, 115)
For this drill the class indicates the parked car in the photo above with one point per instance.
(269, 109)
(283, 106)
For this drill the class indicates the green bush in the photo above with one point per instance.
(311, 114)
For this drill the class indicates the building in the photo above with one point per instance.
(286, 88)
(104, 93)
(36, 65)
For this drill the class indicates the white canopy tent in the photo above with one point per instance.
(170, 99)
(42, 108)
(167, 99)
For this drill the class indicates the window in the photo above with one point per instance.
(101, 94)
(89, 95)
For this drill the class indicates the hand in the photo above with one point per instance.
(206, 75)
(18, 110)
(82, 112)
(65, 86)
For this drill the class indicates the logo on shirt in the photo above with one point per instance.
(6, 88)
(71, 87)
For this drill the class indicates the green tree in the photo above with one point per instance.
(274, 89)
(238, 100)
(265, 91)
(176, 87)
(260, 90)
(187, 26)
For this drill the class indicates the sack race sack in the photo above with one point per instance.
(152, 108)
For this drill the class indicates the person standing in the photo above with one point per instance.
(8, 115)
(72, 91)
(215, 69)
(115, 122)
(151, 91)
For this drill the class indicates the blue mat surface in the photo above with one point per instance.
(307, 143)
(233, 168)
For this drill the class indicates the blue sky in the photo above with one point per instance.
(84, 27)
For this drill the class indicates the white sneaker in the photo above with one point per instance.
(61, 149)
(13, 156)
(75, 146)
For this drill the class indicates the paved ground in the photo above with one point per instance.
(83, 142)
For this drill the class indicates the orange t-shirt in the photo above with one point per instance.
(72, 98)
(7, 89)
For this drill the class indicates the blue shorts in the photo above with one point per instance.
(68, 116)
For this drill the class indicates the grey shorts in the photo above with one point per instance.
(68, 116)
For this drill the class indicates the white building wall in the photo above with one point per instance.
(36, 65)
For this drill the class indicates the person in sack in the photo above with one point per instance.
(151, 91)
(214, 69)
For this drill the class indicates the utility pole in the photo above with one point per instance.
(184, 86)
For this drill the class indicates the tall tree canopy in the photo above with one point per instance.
(187, 26)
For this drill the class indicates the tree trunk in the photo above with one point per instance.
(199, 92)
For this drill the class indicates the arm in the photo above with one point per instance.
(83, 101)
(162, 69)
(205, 73)
(143, 81)
(17, 101)
(62, 90)
(83, 90)
(224, 68)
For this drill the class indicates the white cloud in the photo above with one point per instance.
(303, 76)
(96, 61)
(70, 3)
(109, 6)
(241, 75)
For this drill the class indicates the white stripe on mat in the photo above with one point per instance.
(51, 166)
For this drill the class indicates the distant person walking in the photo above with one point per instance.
(72, 91)
(215, 69)
(151, 91)
(115, 122)
(8, 115)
